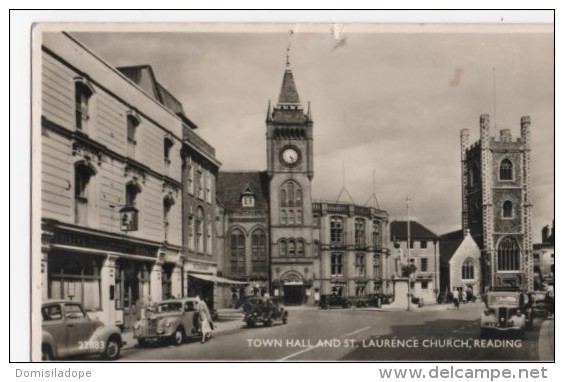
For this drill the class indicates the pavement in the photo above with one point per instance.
(546, 340)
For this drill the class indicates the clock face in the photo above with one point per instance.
(290, 156)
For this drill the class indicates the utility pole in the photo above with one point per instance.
(407, 201)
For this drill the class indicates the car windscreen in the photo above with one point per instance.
(169, 307)
(499, 300)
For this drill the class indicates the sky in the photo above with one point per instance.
(388, 103)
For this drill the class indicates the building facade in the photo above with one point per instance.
(351, 245)
(421, 254)
(496, 203)
(111, 191)
(460, 263)
(127, 187)
(277, 238)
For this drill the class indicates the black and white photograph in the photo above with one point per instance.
(293, 192)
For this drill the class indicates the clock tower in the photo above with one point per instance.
(289, 135)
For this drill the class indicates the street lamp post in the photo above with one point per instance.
(407, 201)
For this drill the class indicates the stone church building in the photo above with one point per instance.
(496, 203)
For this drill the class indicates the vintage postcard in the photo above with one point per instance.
(293, 192)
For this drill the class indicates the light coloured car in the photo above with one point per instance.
(170, 321)
(69, 332)
(503, 313)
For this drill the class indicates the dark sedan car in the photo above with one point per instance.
(330, 300)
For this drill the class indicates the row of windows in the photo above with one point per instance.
(337, 232)
(505, 172)
(84, 190)
(291, 247)
(199, 182)
(200, 232)
(423, 244)
(291, 216)
(83, 95)
(338, 265)
(237, 249)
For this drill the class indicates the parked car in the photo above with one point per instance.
(171, 321)
(538, 304)
(503, 314)
(332, 300)
(263, 310)
(374, 299)
(68, 331)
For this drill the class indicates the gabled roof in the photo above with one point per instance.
(450, 242)
(144, 77)
(398, 231)
(231, 185)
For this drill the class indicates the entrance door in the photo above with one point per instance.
(130, 304)
(293, 294)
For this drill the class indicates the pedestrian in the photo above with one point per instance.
(456, 300)
(205, 320)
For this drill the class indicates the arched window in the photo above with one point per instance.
(506, 170)
(168, 201)
(299, 217)
(336, 230)
(82, 94)
(473, 174)
(283, 247)
(291, 217)
(507, 209)
(237, 252)
(291, 248)
(132, 190)
(376, 266)
(359, 232)
(132, 123)
(336, 264)
(82, 191)
(258, 251)
(283, 217)
(283, 198)
(300, 248)
(291, 196)
(376, 238)
(508, 255)
(468, 269)
(199, 230)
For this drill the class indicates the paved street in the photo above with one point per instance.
(431, 333)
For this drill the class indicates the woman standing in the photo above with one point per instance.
(205, 320)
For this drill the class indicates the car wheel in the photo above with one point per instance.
(178, 336)
(250, 324)
(285, 319)
(112, 348)
(46, 353)
(268, 322)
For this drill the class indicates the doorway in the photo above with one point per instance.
(293, 294)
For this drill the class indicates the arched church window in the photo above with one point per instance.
(506, 170)
(508, 254)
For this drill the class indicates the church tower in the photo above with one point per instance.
(289, 136)
(496, 203)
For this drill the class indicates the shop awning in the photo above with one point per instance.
(217, 279)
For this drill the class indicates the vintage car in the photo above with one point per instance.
(171, 321)
(69, 332)
(503, 314)
(263, 310)
(374, 299)
(332, 300)
(538, 303)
